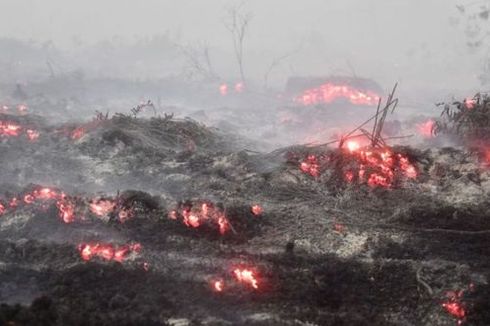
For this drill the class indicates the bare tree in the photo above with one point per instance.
(277, 61)
(237, 23)
(198, 61)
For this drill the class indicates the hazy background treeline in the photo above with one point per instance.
(421, 44)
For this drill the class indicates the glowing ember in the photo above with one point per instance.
(2, 209)
(239, 87)
(246, 276)
(172, 215)
(329, 93)
(32, 134)
(375, 167)
(310, 166)
(470, 103)
(102, 207)
(223, 89)
(77, 133)
(125, 214)
(352, 146)
(455, 309)
(425, 129)
(107, 251)
(338, 228)
(223, 225)
(45, 193)
(22, 108)
(13, 203)
(454, 305)
(9, 129)
(257, 210)
(29, 199)
(197, 216)
(66, 210)
(191, 219)
(406, 167)
(218, 286)
(349, 176)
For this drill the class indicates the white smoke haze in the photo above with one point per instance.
(414, 43)
(420, 45)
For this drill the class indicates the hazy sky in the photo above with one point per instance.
(99, 19)
(394, 38)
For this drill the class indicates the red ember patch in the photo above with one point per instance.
(329, 93)
(246, 276)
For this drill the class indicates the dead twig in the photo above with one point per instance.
(421, 281)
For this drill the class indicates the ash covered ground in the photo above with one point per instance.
(153, 218)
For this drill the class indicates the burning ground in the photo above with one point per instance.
(166, 221)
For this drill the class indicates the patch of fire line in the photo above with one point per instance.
(200, 214)
(376, 167)
(108, 251)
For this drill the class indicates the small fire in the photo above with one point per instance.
(223, 225)
(78, 133)
(22, 108)
(13, 203)
(329, 93)
(107, 251)
(66, 210)
(470, 103)
(376, 167)
(239, 87)
(257, 210)
(454, 304)
(246, 276)
(223, 89)
(196, 216)
(191, 219)
(8, 129)
(102, 207)
(172, 215)
(455, 308)
(338, 228)
(125, 214)
(32, 134)
(13, 129)
(310, 166)
(218, 285)
(29, 199)
(426, 128)
(352, 146)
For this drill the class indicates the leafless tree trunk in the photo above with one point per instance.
(237, 24)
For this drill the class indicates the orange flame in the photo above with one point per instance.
(426, 128)
(218, 286)
(107, 251)
(310, 166)
(246, 276)
(9, 129)
(329, 93)
(257, 210)
(102, 207)
(33, 135)
(223, 89)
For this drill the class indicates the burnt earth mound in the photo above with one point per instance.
(165, 221)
